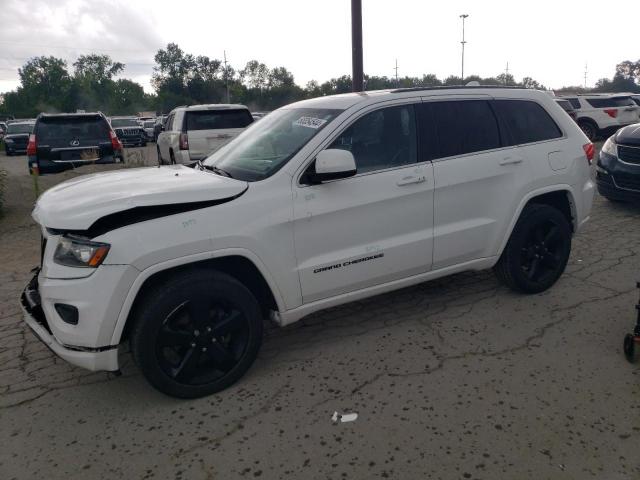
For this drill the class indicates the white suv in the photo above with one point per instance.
(603, 114)
(193, 133)
(320, 203)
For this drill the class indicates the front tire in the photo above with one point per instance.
(538, 250)
(196, 334)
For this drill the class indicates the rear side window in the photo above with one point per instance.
(464, 126)
(574, 102)
(218, 119)
(56, 128)
(526, 121)
(610, 102)
(565, 104)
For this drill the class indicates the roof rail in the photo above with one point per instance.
(456, 87)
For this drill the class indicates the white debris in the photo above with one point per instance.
(344, 418)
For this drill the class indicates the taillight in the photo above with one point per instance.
(612, 112)
(116, 144)
(589, 151)
(31, 147)
(184, 141)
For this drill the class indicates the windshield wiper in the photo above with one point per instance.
(220, 171)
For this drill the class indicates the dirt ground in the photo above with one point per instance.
(453, 379)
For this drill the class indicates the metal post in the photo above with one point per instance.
(226, 75)
(396, 69)
(356, 45)
(463, 17)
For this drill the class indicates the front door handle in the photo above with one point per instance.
(411, 180)
(510, 160)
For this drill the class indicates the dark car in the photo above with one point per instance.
(618, 167)
(129, 131)
(567, 107)
(67, 140)
(17, 137)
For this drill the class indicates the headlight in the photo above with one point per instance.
(78, 252)
(610, 147)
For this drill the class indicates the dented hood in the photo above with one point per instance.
(76, 204)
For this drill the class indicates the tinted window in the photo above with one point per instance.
(55, 128)
(526, 121)
(382, 139)
(574, 102)
(169, 124)
(610, 102)
(464, 127)
(16, 128)
(124, 122)
(149, 124)
(565, 104)
(216, 119)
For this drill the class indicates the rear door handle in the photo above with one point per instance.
(510, 160)
(411, 180)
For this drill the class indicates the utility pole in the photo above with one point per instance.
(585, 75)
(463, 42)
(396, 69)
(506, 73)
(226, 75)
(357, 75)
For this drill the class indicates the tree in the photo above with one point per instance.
(528, 82)
(628, 70)
(97, 68)
(255, 75)
(280, 77)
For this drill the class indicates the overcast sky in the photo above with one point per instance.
(550, 41)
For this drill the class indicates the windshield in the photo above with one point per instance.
(124, 122)
(16, 128)
(267, 145)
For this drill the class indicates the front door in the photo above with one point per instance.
(372, 228)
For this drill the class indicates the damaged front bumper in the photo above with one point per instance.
(101, 358)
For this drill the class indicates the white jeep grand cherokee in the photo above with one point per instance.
(323, 202)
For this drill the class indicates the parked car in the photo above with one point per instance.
(192, 133)
(148, 126)
(322, 202)
(129, 131)
(158, 126)
(67, 140)
(618, 166)
(258, 115)
(17, 137)
(603, 114)
(567, 107)
(3, 129)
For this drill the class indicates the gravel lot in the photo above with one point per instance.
(453, 379)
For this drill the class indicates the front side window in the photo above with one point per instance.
(382, 139)
(526, 121)
(260, 151)
(464, 126)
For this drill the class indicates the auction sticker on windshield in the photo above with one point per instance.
(310, 122)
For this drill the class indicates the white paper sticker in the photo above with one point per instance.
(310, 122)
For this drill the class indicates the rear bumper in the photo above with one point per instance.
(52, 166)
(103, 358)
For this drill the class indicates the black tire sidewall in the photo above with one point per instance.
(533, 215)
(155, 308)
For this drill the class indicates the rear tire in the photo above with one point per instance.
(589, 128)
(160, 162)
(196, 334)
(172, 157)
(538, 250)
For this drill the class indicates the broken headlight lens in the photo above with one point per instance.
(79, 252)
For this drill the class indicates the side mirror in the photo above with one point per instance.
(333, 164)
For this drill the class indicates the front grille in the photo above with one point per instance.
(629, 154)
(628, 182)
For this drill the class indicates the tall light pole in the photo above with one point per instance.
(357, 76)
(463, 17)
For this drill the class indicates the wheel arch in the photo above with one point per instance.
(240, 264)
(557, 196)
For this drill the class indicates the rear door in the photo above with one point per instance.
(208, 130)
(476, 180)
(73, 139)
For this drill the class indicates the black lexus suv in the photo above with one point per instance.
(67, 140)
(17, 137)
(618, 167)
